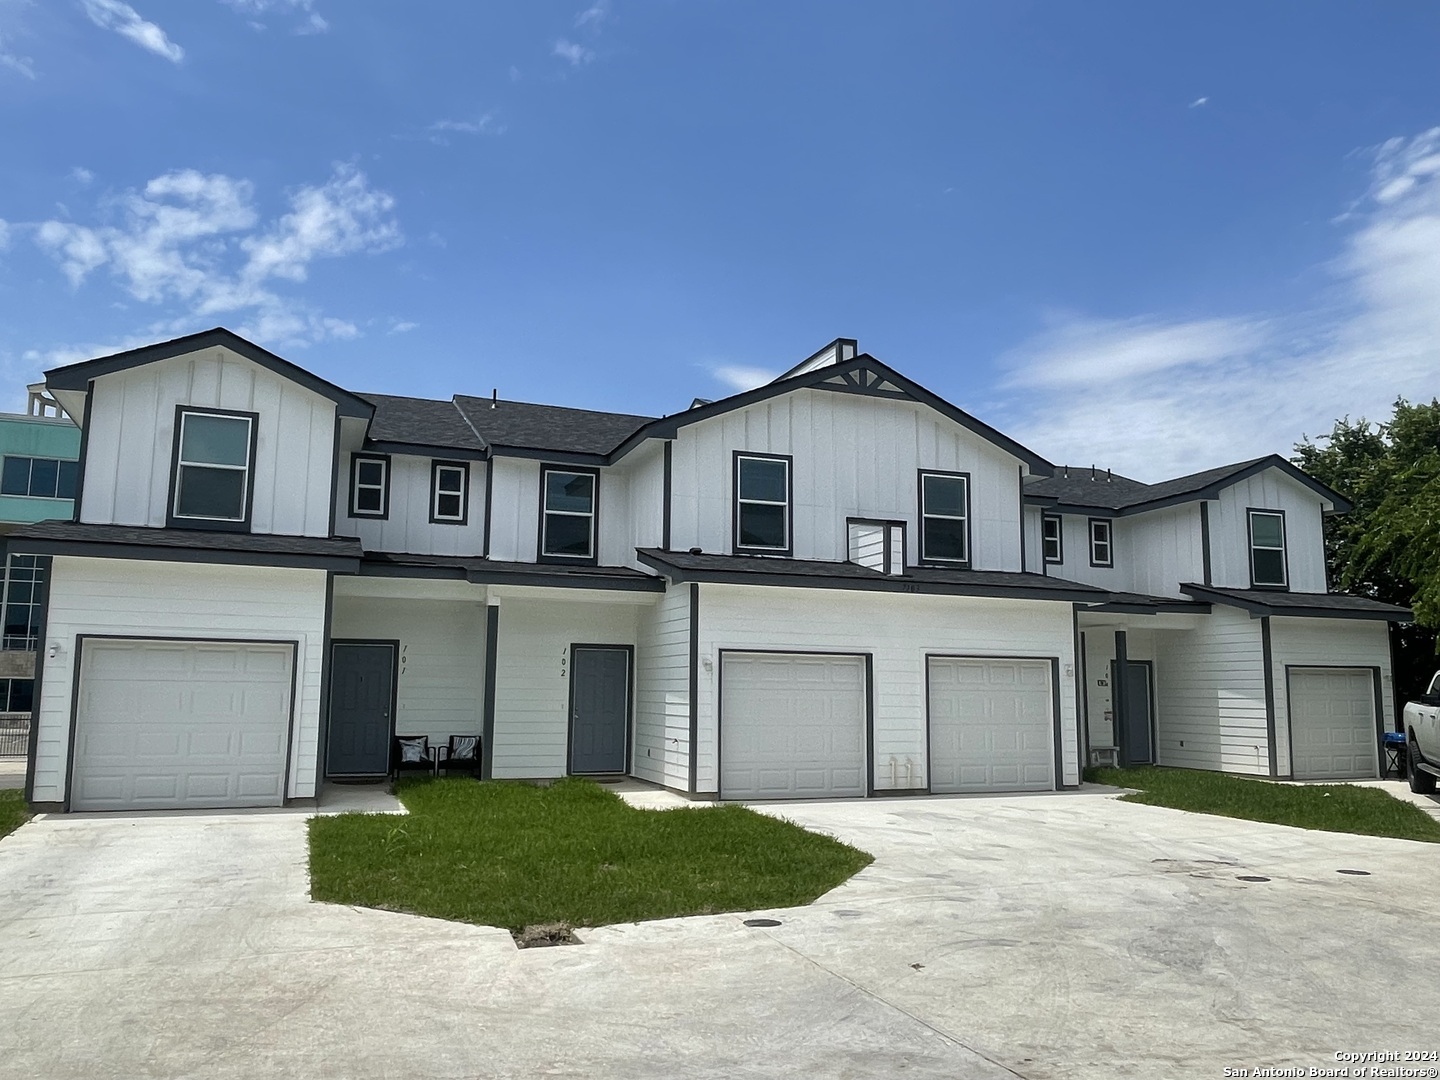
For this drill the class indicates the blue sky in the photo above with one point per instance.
(1150, 236)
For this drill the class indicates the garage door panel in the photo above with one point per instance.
(991, 725)
(792, 726)
(162, 725)
(1332, 723)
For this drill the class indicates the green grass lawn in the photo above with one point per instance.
(517, 855)
(13, 812)
(1330, 807)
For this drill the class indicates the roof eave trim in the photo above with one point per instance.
(386, 446)
(480, 575)
(1258, 610)
(105, 549)
(567, 457)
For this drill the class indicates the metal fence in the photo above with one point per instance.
(14, 735)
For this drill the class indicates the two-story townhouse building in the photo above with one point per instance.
(837, 584)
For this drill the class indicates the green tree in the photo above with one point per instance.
(1388, 546)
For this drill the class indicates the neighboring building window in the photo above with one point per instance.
(1102, 550)
(449, 492)
(1267, 548)
(1053, 537)
(762, 504)
(17, 695)
(878, 545)
(944, 517)
(212, 467)
(39, 478)
(369, 486)
(567, 525)
(22, 607)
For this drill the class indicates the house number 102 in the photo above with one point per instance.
(564, 659)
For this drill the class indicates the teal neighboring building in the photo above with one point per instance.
(39, 465)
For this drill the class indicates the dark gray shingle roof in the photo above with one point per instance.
(1315, 605)
(422, 421)
(548, 427)
(47, 535)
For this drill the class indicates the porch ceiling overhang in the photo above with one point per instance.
(338, 553)
(774, 571)
(494, 572)
(1262, 602)
(1140, 604)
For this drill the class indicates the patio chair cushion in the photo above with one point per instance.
(463, 747)
(413, 748)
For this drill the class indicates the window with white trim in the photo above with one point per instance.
(1052, 537)
(1102, 548)
(212, 467)
(1267, 549)
(567, 526)
(878, 545)
(449, 492)
(762, 503)
(369, 486)
(944, 517)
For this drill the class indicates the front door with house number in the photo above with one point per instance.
(599, 708)
(362, 695)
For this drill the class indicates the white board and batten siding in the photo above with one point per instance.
(131, 434)
(662, 688)
(1327, 643)
(900, 632)
(532, 673)
(131, 598)
(1152, 553)
(1211, 694)
(853, 456)
(632, 511)
(442, 657)
(1304, 531)
(408, 528)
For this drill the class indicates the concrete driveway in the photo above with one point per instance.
(1045, 936)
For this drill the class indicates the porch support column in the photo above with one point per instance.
(1119, 698)
(487, 728)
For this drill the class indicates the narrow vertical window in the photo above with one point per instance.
(944, 517)
(1052, 527)
(369, 486)
(21, 606)
(1102, 550)
(762, 504)
(211, 485)
(1267, 549)
(449, 492)
(567, 514)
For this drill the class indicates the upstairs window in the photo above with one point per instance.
(567, 522)
(38, 478)
(944, 517)
(449, 492)
(1102, 549)
(1052, 538)
(762, 504)
(213, 456)
(879, 545)
(22, 601)
(1267, 549)
(370, 486)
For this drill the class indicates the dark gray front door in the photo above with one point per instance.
(1135, 739)
(599, 708)
(362, 691)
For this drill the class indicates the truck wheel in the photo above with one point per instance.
(1421, 782)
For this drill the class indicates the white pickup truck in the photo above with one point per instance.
(1422, 739)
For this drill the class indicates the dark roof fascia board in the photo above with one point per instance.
(1259, 609)
(1180, 607)
(889, 583)
(482, 575)
(370, 568)
(91, 549)
(667, 427)
(78, 376)
(1051, 503)
(559, 457)
(381, 446)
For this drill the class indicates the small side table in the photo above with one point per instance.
(1397, 754)
(438, 754)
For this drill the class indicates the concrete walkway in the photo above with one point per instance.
(1046, 936)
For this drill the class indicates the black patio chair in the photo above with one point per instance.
(411, 753)
(463, 755)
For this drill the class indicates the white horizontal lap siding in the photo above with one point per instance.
(532, 677)
(407, 527)
(662, 691)
(178, 600)
(1341, 643)
(1211, 695)
(1161, 549)
(515, 509)
(442, 658)
(131, 433)
(854, 456)
(1304, 531)
(899, 631)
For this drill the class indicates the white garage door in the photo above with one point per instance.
(792, 726)
(181, 724)
(991, 725)
(1332, 723)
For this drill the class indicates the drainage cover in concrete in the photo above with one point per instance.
(1355, 873)
(1251, 877)
(847, 914)
(762, 922)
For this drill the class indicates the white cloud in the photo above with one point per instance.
(195, 243)
(1155, 396)
(310, 20)
(402, 327)
(484, 124)
(740, 377)
(1199, 101)
(126, 21)
(4, 234)
(575, 54)
(21, 65)
(81, 175)
(593, 15)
